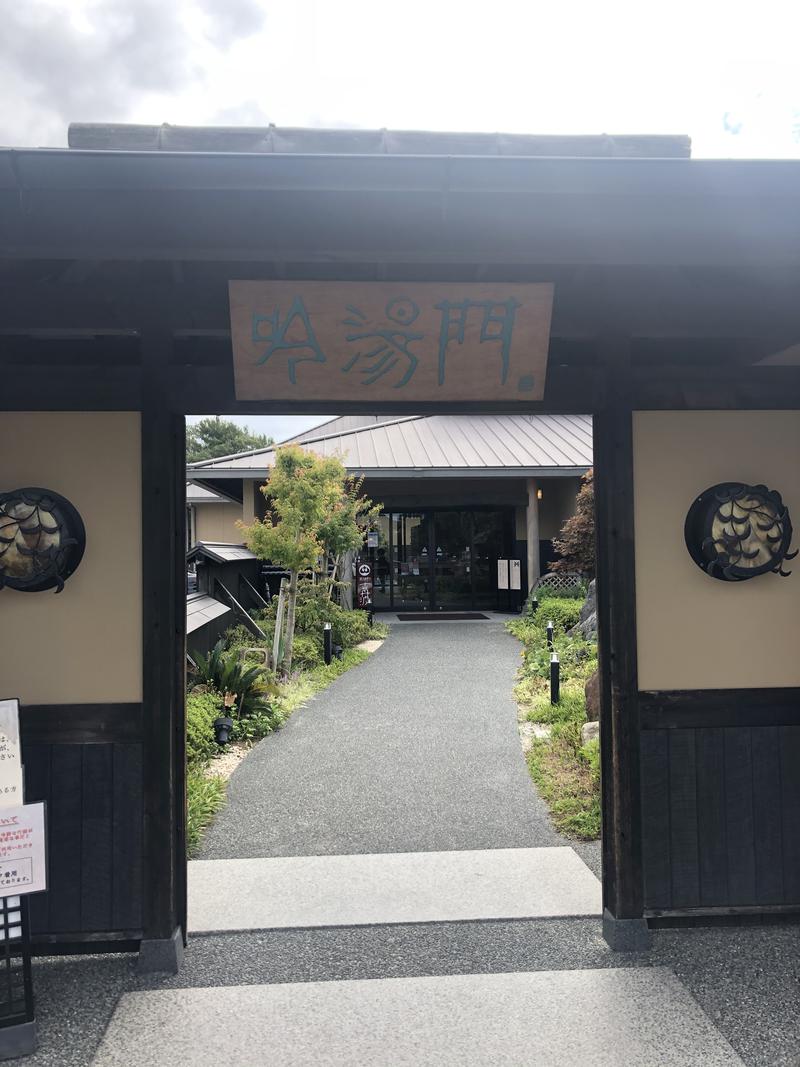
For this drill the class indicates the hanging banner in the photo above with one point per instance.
(420, 342)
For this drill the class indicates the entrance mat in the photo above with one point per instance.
(441, 616)
(395, 887)
(604, 1017)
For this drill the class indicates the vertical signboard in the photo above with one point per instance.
(515, 576)
(364, 585)
(502, 574)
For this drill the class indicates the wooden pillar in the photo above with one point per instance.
(249, 490)
(532, 533)
(164, 607)
(624, 925)
(347, 577)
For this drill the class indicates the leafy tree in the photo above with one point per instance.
(312, 509)
(213, 437)
(344, 528)
(575, 546)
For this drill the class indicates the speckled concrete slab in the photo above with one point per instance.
(548, 1018)
(396, 887)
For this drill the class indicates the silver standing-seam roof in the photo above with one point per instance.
(438, 446)
(220, 552)
(202, 609)
(198, 494)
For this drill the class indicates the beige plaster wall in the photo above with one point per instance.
(217, 522)
(695, 632)
(83, 645)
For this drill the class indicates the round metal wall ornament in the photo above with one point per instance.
(42, 538)
(735, 532)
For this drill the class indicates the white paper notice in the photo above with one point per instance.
(10, 754)
(516, 574)
(23, 866)
(502, 574)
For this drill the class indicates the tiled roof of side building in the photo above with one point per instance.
(288, 140)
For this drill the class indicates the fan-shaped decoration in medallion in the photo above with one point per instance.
(42, 539)
(735, 532)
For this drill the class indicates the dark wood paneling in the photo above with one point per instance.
(655, 819)
(96, 842)
(790, 808)
(693, 708)
(127, 847)
(767, 815)
(92, 785)
(721, 805)
(37, 787)
(683, 819)
(64, 837)
(80, 723)
(712, 835)
(738, 795)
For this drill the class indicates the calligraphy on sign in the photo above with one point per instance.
(378, 341)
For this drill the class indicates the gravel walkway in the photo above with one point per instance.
(415, 750)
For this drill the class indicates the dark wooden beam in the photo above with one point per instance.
(163, 563)
(699, 709)
(623, 889)
(649, 302)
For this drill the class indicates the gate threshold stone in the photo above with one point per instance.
(396, 887)
(642, 1017)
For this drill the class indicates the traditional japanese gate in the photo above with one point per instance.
(674, 281)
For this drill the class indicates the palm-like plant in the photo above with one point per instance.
(229, 676)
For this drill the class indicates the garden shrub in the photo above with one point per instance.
(202, 708)
(564, 613)
(308, 651)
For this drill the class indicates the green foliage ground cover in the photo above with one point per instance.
(566, 772)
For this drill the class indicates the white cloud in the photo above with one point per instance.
(707, 69)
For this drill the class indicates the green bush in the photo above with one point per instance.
(256, 726)
(307, 651)
(205, 796)
(564, 613)
(201, 710)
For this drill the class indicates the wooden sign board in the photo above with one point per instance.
(419, 342)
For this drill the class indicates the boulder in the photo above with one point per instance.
(592, 690)
(586, 625)
(590, 731)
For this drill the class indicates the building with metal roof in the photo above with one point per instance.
(459, 493)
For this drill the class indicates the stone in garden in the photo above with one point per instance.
(592, 690)
(586, 625)
(590, 731)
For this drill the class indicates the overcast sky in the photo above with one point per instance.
(726, 73)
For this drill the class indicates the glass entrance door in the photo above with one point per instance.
(439, 560)
(411, 561)
(489, 543)
(452, 560)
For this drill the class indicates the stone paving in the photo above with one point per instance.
(416, 752)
